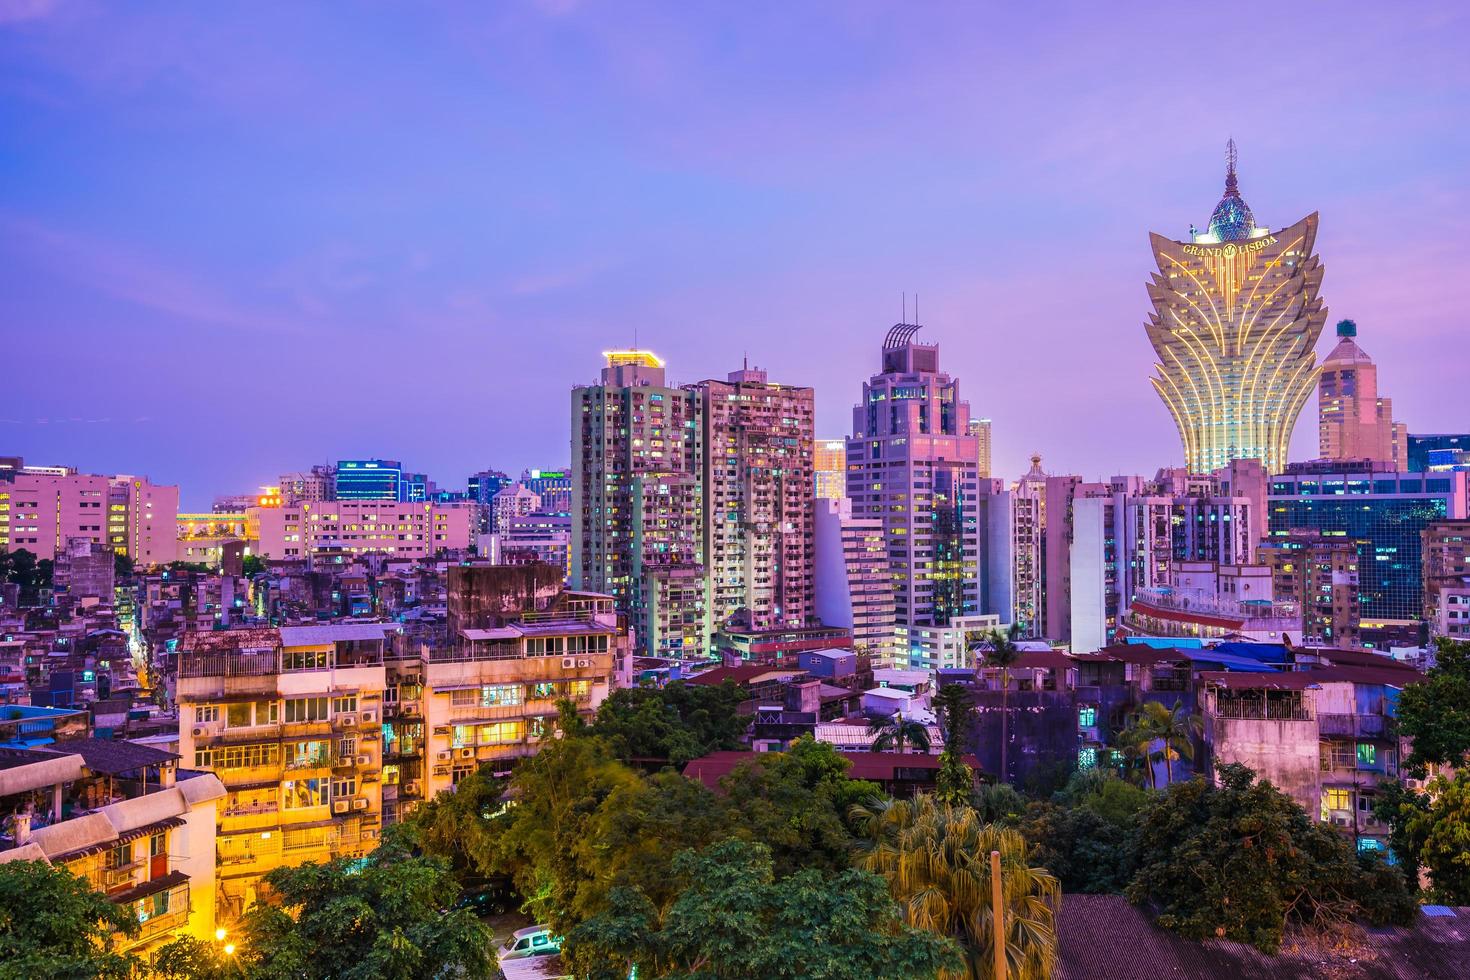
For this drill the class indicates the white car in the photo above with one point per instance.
(531, 941)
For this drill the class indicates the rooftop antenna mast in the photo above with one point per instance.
(904, 316)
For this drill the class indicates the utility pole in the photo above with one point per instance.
(996, 916)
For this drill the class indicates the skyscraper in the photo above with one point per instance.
(637, 502)
(1353, 421)
(912, 464)
(1235, 324)
(369, 479)
(854, 586)
(757, 481)
(980, 429)
(829, 469)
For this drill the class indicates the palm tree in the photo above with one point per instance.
(998, 649)
(897, 731)
(1159, 734)
(1174, 730)
(936, 858)
(952, 705)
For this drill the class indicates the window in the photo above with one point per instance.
(1337, 799)
(237, 757)
(1087, 717)
(1367, 754)
(297, 794)
(491, 696)
(306, 709)
(205, 713)
(344, 788)
(345, 705)
(545, 689)
(1086, 758)
(501, 733)
(304, 660)
(347, 747)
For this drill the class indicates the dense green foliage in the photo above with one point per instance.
(1086, 834)
(1435, 713)
(1241, 860)
(673, 724)
(727, 915)
(252, 565)
(378, 917)
(55, 925)
(1438, 825)
(954, 707)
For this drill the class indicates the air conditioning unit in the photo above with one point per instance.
(568, 663)
(200, 731)
(446, 755)
(467, 752)
(584, 663)
(369, 717)
(411, 788)
(359, 803)
(364, 760)
(346, 721)
(339, 806)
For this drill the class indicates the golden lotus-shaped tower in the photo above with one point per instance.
(1235, 325)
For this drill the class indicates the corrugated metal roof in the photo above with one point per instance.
(312, 636)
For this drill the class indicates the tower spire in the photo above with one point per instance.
(1230, 156)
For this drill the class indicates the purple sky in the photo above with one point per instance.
(233, 244)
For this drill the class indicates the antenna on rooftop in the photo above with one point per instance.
(904, 316)
(916, 308)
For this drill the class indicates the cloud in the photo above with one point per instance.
(17, 11)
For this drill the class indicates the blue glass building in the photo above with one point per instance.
(1382, 511)
(369, 479)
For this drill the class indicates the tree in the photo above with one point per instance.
(355, 919)
(21, 567)
(896, 731)
(675, 723)
(252, 565)
(1084, 834)
(936, 858)
(460, 825)
(187, 958)
(122, 566)
(1442, 832)
(999, 649)
(1397, 805)
(795, 802)
(1241, 860)
(55, 924)
(733, 918)
(1161, 735)
(954, 706)
(1435, 712)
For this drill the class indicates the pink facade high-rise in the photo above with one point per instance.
(42, 508)
(1353, 420)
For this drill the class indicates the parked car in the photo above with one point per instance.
(530, 941)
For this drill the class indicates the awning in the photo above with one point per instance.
(171, 880)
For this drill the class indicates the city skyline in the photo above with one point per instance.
(205, 244)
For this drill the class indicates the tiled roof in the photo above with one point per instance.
(1103, 936)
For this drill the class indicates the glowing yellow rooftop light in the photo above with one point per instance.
(640, 358)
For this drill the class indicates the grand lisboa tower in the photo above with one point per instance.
(1235, 324)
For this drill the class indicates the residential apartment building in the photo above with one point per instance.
(1446, 563)
(980, 429)
(913, 464)
(518, 643)
(122, 817)
(342, 528)
(1320, 576)
(852, 578)
(42, 508)
(290, 720)
(756, 469)
(637, 502)
(511, 502)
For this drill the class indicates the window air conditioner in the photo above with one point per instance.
(339, 806)
(364, 760)
(446, 755)
(369, 717)
(359, 803)
(584, 663)
(200, 731)
(467, 753)
(411, 788)
(568, 663)
(346, 721)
